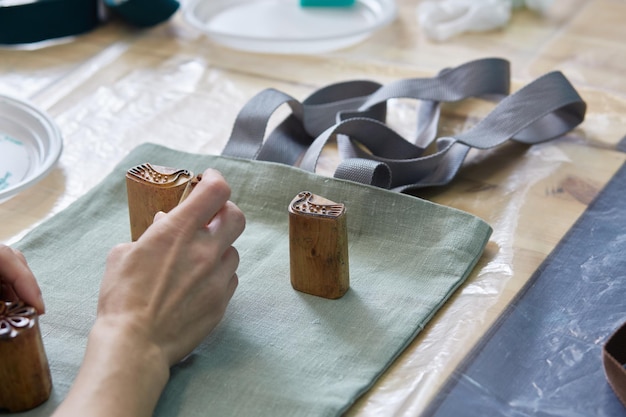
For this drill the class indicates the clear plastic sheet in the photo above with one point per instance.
(115, 88)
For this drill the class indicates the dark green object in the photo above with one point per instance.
(47, 19)
(44, 20)
(144, 13)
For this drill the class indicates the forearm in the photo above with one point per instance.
(122, 375)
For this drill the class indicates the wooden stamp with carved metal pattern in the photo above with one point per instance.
(154, 188)
(318, 246)
(25, 380)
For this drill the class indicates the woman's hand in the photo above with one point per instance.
(173, 285)
(159, 298)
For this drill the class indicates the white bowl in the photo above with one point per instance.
(30, 146)
(284, 27)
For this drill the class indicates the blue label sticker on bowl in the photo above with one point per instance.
(14, 161)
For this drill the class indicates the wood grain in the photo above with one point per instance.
(318, 246)
(25, 380)
(153, 188)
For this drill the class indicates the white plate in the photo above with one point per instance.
(30, 145)
(284, 27)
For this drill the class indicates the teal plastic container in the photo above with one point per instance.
(326, 3)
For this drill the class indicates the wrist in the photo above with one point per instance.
(134, 356)
(123, 373)
(126, 342)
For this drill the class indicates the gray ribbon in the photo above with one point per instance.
(354, 112)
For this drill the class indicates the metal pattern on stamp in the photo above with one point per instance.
(15, 317)
(304, 204)
(158, 175)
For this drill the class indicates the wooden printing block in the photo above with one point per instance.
(318, 246)
(25, 380)
(153, 188)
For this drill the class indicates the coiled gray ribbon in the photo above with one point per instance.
(355, 111)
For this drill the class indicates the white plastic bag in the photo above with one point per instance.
(441, 20)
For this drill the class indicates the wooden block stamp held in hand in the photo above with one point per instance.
(318, 246)
(25, 380)
(154, 188)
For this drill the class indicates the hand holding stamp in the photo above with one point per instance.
(25, 380)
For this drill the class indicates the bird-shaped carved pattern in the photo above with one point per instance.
(303, 203)
(159, 175)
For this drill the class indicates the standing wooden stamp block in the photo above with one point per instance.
(153, 188)
(318, 246)
(25, 380)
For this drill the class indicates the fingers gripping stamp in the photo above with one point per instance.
(318, 246)
(154, 188)
(25, 380)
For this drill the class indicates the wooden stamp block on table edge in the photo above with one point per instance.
(25, 380)
(318, 246)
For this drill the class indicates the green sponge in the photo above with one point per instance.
(326, 3)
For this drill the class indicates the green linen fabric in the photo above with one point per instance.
(278, 352)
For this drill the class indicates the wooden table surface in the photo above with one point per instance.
(116, 87)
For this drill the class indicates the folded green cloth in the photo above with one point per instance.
(277, 352)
